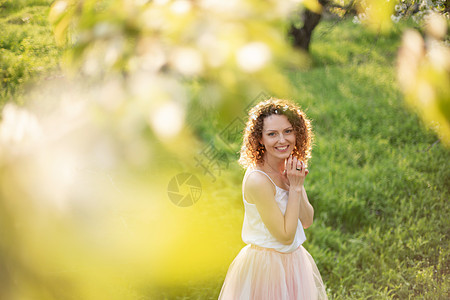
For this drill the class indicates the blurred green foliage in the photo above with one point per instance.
(226, 49)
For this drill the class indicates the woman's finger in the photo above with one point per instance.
(294, 163)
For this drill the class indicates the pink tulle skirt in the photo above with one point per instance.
(261, 273)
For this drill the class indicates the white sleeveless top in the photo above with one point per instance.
(255, 232)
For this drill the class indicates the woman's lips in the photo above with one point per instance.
(282, 148)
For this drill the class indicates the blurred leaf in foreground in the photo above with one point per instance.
(85, 164)
(424, 74)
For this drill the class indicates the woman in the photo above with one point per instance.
(274, 265)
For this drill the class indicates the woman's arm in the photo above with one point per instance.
(306, 212)
(260, 191)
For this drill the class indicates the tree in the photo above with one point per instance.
(310, 19)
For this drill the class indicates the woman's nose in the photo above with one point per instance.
(282, 139)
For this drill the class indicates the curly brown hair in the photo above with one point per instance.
(252, 152)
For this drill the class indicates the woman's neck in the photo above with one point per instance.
(274, 165)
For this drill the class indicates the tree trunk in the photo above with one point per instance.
(302, 36)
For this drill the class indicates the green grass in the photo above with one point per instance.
(378, 181)
(27, 47)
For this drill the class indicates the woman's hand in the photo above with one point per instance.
(295, 172)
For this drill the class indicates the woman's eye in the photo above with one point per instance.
(271, 134)
(289, 131)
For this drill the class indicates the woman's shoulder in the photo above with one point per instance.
(258, 180)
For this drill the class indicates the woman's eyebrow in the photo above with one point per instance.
(290, 127)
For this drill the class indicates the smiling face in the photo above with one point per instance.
(278, 137)
(258, 145)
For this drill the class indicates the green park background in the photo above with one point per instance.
(379, 176)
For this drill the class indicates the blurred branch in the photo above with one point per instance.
(431, 146)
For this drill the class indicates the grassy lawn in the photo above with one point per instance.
(27, 46)
(379, 180)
